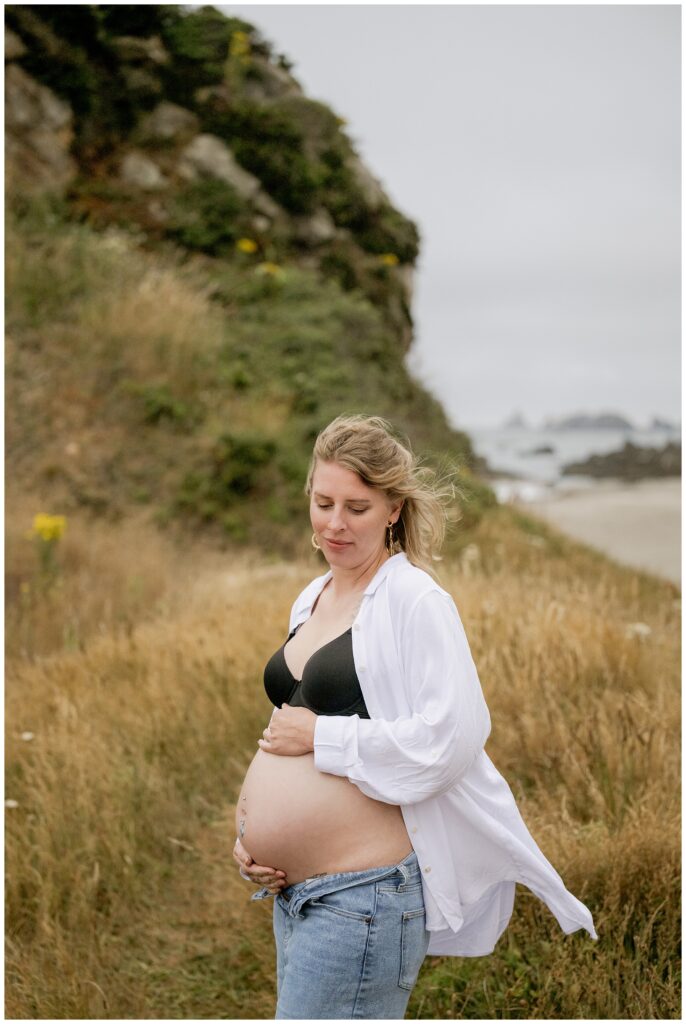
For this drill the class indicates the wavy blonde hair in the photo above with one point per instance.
(370, 447)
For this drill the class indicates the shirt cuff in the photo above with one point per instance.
(335, 746)
(242, 873)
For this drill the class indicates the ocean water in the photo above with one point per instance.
(511, 450)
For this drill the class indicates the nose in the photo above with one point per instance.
(336, 521)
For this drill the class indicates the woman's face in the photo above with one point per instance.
(344, 508)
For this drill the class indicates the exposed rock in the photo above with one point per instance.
(168, 121)
(205, 93)
(657, 423)
(208, 156)
(158, 212)
(266, 205)
(140, 171)
(14, 47)
(315, 229)
(370, 187)
(515, 422)
(27, 103)
(38, 134)
(260, 223)
(135, 48)
(271, 82)
(539, 449)
(405, 271)
(140, 81)
(584, 421)
(398, 313)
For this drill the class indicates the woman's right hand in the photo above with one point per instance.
(272, 878)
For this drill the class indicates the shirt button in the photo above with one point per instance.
(356, 625)
(434, 753)
(427, 868)
(361, 668)
(414, 829)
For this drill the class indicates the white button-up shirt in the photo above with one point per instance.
(423, 749)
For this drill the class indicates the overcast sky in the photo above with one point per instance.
(538, 149)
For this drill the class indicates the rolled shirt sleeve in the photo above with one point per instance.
(412, 758)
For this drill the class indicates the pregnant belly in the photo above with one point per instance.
(308, 822)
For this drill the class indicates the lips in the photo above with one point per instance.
(337, 543)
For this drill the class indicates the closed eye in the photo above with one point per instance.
(357, 511)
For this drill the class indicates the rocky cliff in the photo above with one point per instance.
(201, 274)
(190, 127)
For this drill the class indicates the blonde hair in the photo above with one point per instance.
(368, 445)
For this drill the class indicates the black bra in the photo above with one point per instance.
(329, 685)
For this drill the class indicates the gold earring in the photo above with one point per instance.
(390, 542)
(314, 542)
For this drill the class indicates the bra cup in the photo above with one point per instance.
(329, 685)
(278, 684)
(329, 681)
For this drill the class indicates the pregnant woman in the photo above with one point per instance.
(390, 831)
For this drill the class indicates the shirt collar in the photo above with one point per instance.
(388, 566)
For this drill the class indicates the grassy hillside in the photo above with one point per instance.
(134, 706)
(177, 341)
(191, 387)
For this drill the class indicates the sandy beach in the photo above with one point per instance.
(638, 524)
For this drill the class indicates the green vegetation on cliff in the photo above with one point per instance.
(219, 278)
(194, 386)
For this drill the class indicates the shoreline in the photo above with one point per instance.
(636, 523)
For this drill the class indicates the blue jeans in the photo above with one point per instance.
(350, 944)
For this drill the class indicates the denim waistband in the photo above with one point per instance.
(295, 895)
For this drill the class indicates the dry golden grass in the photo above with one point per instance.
(122, 899)
(153, 320)
(107, 306)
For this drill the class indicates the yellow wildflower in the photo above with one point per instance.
(47, 526)
(269, 268)
(246, 245)
(240, 44)
(390, 259)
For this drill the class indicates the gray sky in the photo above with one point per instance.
(538, 148)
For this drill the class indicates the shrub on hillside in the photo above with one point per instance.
(232, 474)
(269, 142)
(208, 215)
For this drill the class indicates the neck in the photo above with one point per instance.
(345, 582)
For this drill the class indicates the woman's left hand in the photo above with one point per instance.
(290, 731)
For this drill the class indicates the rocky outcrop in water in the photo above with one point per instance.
(588, 421)
(631, 462)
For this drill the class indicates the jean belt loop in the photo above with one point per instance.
(406, 873)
